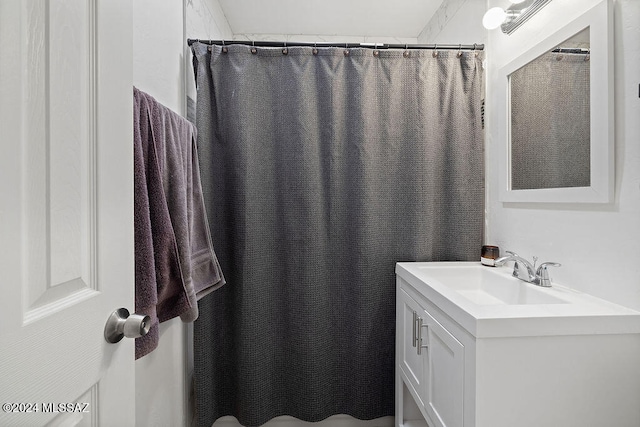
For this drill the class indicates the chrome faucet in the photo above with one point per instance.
(524, 270)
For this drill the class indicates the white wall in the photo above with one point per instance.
(158, 50)
(598, 246)
(205, 20)
(158, 70)
(456, 22)
(160, 61)
(314, 38)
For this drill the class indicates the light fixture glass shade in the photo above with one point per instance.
(493, 18)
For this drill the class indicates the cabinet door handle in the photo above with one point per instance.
(420, 326)
(415, 336)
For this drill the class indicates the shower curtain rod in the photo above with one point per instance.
(575, 50)
(343, 45)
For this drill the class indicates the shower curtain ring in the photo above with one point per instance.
(209, 45)
(435, 50)
(459, 54)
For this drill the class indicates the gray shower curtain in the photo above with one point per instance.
(322, 168)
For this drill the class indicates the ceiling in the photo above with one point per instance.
(383, 18)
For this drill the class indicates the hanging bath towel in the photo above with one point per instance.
(175, 261)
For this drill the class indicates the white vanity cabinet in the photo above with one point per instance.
(548, 357)
(430, 362)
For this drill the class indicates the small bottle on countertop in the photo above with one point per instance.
(489, 255)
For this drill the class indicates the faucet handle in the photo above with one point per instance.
(543, 273)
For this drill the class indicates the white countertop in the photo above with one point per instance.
(572, 313)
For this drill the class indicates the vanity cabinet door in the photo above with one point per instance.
(410, 361)
(443, 370)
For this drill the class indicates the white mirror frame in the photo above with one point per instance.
(599, 20)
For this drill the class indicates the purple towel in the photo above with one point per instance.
(175, 261)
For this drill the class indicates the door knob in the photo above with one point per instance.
(121, 324)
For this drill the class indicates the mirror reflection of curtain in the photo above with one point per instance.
(320, 172)
(550, 125)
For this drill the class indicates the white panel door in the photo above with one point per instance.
(66, 211)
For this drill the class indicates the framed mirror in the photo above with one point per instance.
(556, 122)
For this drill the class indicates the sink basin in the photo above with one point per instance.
(490, 302)
(486, 286)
